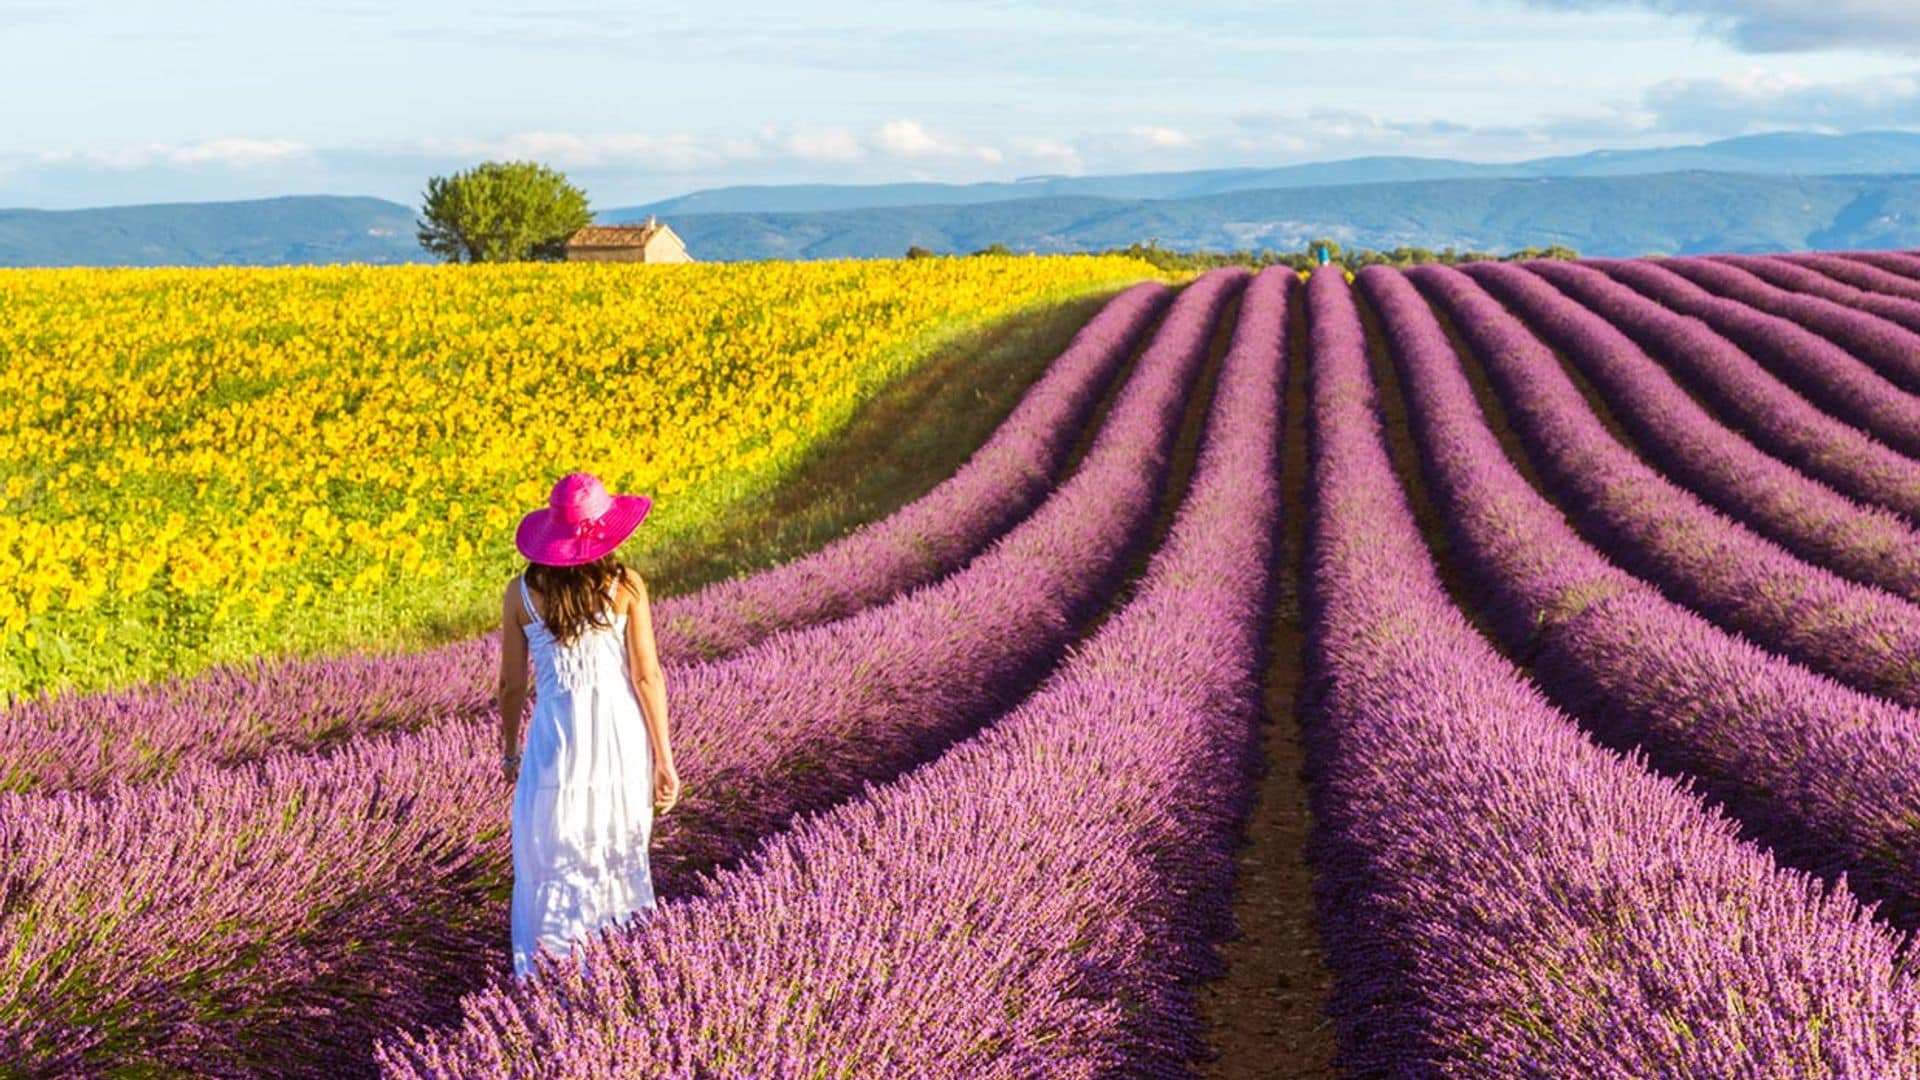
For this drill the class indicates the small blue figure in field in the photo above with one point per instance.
(1320, 252)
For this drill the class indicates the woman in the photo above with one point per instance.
(595, 767)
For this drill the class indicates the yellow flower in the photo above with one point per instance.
(263, 430)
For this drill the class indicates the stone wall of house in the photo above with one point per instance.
(665, 247)
(628, 254)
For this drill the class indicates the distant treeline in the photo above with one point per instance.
(1167, 259)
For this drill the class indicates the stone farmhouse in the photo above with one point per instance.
(648, 242)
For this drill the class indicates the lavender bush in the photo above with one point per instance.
(1036, 902)
(1871, 279)
(236, 714)
(1860, 635)
(1823, 372)
(1747, 396)
(282, 915)
(1865, 543)
(1889, 350)
(1811, 276)
(1903, 264)
(1500, 897)
(1825, 775)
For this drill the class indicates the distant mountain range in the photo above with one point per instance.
(1758, 193)
(257, 232)
(1667, 213)
(1782, 154)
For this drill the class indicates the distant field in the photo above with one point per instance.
(207, 465)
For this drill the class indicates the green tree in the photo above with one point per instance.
(1333, 248)
(502, 212)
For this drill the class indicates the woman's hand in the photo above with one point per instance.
(666, 786)
(510, 767)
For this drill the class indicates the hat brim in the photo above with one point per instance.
(544, 538)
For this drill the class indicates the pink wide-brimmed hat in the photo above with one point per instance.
(580, 523)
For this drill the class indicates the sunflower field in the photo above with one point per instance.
(209, 465)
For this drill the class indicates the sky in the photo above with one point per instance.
(107, 102)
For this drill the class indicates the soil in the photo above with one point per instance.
(1267, 1013)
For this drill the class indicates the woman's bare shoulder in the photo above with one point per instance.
(633, 588)
(513, 605)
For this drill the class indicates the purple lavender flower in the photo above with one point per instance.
(1866, 543)
(1860, 635)
(1821, 773)
(1500, 897)
(1824, 373)
(1036, 902)
(1747, 396)
(294, 909)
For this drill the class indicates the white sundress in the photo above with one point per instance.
(583, 803)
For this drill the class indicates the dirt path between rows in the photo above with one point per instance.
(1267, 1013)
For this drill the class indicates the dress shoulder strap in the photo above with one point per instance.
(527, 598)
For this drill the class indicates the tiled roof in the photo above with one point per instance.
(612, 236)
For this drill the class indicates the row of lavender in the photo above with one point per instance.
(1824, 774)
(1867, 543)
(1750, 397)
(1533, 905)
(1660, 531)
(1499, 896)
(231, 920)
(1037, 902)
(1810, 341)
(239, 714)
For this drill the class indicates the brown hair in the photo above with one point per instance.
(575, 596)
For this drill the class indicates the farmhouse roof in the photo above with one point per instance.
(613, 235)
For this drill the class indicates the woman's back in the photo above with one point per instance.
(583, 803)
(597, 658)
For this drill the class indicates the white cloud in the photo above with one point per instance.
(911, 140)
(237, 153)
(674, 152)
(1162, 138)
(681, 152)
(1052, 155)
(1762, 100)
(1788, 25)
(1325, 133)
(828, 144)
(905, 138)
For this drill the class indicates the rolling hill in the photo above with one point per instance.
(1778, 154)
(1759, 193)
(260, 232)
(1632, 215)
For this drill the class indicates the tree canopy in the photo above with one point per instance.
(511, 211)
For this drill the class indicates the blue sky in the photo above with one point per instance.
(116, 101)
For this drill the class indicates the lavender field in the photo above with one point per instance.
(1588, 591)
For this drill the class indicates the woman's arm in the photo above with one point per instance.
(649, 685)
(512, 686)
